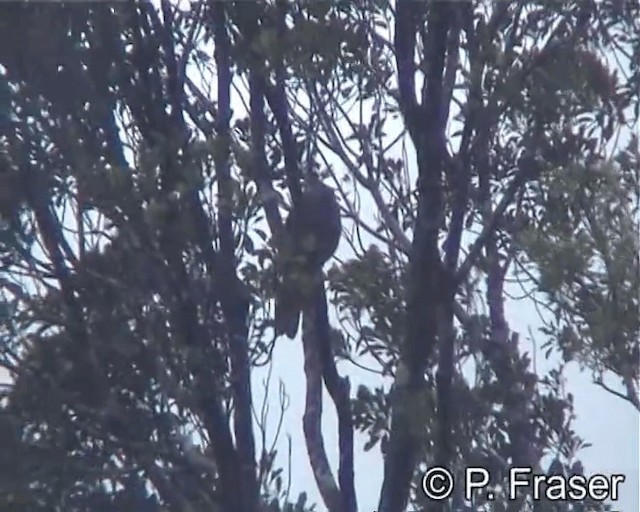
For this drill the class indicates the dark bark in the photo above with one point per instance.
(235, 302)
(339, 390)
(312, 418)
(426, 277)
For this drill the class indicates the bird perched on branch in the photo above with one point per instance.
(311, 235)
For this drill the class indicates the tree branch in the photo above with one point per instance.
(339, 390)
(527, 169)
(152, 118)
(313, 369)
(426, 285)
(235, 301)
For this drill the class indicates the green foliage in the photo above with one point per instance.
(368, 297)
(587, 256)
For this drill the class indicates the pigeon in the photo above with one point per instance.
(311, 235)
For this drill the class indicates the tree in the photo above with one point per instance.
(150, 152)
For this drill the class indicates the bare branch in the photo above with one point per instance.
(313, 415)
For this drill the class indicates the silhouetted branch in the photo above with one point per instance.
(339, 390)
(235, 302)
(248, 24)
(96, 391)
(502, 349)
(527, 168)
(631, 395)
(278, 102)
(312, 419)
(426, 289)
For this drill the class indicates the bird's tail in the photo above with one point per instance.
(287, 311)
